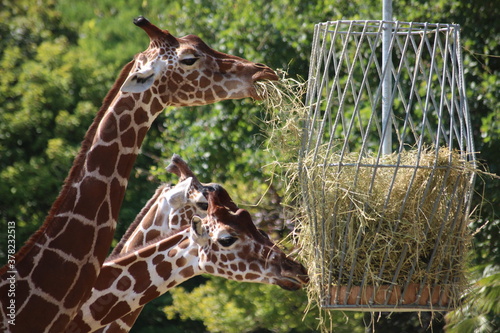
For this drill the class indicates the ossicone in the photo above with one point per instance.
(154, 32)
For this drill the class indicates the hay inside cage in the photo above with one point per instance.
(384, 222)
(377, 231)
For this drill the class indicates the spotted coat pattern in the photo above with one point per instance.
(224, 243)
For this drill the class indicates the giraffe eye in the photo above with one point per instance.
(227, 241)
(202, 205)
(189, 61)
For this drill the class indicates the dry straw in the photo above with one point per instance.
(376, 221)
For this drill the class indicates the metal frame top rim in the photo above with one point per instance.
(402, 24)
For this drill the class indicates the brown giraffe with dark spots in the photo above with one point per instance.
(224, 243)
(56, 269)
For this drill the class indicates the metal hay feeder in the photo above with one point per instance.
(386, 166)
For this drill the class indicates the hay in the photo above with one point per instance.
(369, 220)
(386, 225)
(285, 112)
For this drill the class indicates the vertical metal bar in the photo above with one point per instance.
(387, 82)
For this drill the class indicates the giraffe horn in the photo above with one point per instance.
(214, 205)
(223, 197)
(172, 168)
(225, 211)
(179, 167)
(153, 31)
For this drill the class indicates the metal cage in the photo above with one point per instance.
(379, 91)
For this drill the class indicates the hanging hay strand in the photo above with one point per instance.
(283, 101)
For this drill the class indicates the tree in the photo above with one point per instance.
(46, 103)
(224, 306)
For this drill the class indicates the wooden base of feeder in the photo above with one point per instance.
(389, 298)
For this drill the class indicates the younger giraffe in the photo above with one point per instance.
(224, 243)
(56, 269)
(164, 212)
(169, 209)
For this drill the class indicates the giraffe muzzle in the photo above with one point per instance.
(265, 73)
(291, 284)
(293, 275)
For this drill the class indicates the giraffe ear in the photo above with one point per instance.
(178, 195)
(142, 78)
(197, 226)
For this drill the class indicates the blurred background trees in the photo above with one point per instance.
(58, 58)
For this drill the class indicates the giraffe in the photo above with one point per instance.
(170, 209)
(164, 212)
(55, 270)
(179, 167)
(224, 243)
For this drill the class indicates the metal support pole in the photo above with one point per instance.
(386, 80)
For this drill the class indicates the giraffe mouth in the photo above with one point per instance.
(291, 284)
(267, 74)
(293, 275)
(293, 281)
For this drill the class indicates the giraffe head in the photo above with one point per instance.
(231, 246)
(184, 201)
(264, 261)
(170, 208)
(186, 71)
(179, 167)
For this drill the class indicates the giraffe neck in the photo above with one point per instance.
(139, 222)
(88, 206)
(130, 281)
(157, 218)
(154, 224)
(170, 208)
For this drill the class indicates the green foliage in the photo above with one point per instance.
(482, 300)
(43, 111)
(232, 307)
